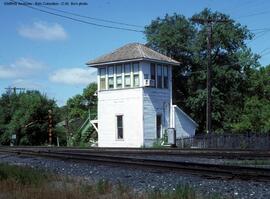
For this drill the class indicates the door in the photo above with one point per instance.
(158, 126)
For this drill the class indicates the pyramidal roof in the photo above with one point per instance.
(132, 52)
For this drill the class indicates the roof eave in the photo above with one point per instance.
(95, 65)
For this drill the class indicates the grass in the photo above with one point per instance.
(26, 183)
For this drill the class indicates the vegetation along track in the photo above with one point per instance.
(203, 169)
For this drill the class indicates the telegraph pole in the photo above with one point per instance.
(50, 126)
(209, 23)
(14, 89)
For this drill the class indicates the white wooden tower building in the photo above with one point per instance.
(135, 98)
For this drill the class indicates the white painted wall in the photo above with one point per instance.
(127, 102)
(184, 125)
(155, 101)
(139, 107)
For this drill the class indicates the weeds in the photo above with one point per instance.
(25, 183)
(22, 175)
(181, 192)
(103, 187)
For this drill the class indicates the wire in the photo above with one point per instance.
(88, 17)
(78, 20)
(254, 14)
(259, 35)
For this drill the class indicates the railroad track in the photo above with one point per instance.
(207, 170)
(202, 153)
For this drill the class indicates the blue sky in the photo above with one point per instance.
(48, 53)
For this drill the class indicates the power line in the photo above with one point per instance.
(93, 18)
(259, 34)
(77, 20)
(88, 17)
(254, 14)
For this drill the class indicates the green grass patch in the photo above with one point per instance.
(22, 175)
(25, 183)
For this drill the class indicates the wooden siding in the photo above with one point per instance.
(155, 101)
(184, 126)
(126, 102)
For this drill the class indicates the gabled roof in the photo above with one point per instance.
(132, 52)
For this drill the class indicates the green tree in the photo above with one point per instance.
(256, 111)
(26, 115)
(77, 113)
(185, 41)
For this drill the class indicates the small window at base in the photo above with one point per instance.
(119, 123)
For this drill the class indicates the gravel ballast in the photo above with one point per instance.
(142, 179)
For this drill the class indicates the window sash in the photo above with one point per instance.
(110, 71)
(127, 81)
(119, 82)
(118, 70)
(153, 71)
(111, 82)
(135, 68)
(127, 68)
(159, 76)
(102, 72)
(119, 123)
(102, 83)
(165, 77)
(136, 80)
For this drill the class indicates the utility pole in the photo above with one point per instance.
(209, 23)
(14, 89)
(50, 126)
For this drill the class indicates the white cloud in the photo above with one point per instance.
(74, 76)
(43, 31)
(20, 68)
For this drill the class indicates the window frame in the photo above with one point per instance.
(119, 75)
(165, 81)
(117, 128)
(127, 74)
(102, 78)
(153, 73)
(159, 83)
(136, 74)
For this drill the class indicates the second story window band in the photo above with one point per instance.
(127, 69)
(102, 81)
(110, 77)
(119, 76)
(136, 76)
(159, 76)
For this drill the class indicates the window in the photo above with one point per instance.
(102, 79)
(165, 76)
(158, 126)
(110, 77)
(135, 67)
(127, 75)
(153, 73)
(119, 123)
(119, 76)
(159, 76)
(136, 77)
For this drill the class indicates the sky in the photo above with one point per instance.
(40, 51)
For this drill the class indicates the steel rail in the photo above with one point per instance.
(202, 169)
(203, 153)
